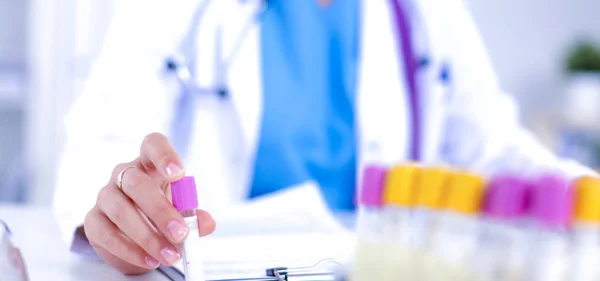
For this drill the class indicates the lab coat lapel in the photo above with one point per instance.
(382, 98)
(224, 141)
(428, 22)
(245, 80)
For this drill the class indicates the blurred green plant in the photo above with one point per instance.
(584, 57)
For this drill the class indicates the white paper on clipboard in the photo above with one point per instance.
(292, 228)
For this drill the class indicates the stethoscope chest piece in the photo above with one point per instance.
(185, 78)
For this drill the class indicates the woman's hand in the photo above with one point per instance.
(135, 227)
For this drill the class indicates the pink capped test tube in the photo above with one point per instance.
(185, 200)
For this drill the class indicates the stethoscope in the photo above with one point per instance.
(179, 67)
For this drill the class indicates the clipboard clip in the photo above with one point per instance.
(324, 270)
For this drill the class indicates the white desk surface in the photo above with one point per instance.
(47, 257)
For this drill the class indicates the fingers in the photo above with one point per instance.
(147, 195)
(134, 226)
(120, 264)
(101, 232)
(158, 152)
(206, 223)
(123, 213)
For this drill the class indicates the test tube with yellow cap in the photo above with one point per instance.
(432, 186)
(399, 198)
(585, 255)
(455, 241)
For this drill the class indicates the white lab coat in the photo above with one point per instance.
(469, 123)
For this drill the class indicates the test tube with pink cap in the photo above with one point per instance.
(185, 200)
(370, 225)
(551, 207)
(503, 238)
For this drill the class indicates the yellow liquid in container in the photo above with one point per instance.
(367, 264)
(380, 260)
(430, 267)
(398, 262)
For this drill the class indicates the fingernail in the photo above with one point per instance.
(177, 230)
(173, 170)
(151, 262)
(171, 256)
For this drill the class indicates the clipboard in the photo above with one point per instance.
(324, 270)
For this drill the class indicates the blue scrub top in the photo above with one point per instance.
(310, 55)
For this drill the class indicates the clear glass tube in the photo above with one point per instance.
(397, 250)
(585, 253)
(191, 249)
(424, 229)
(501, 252)
(367, 265)
(424, 225)
(454, 246)
(548, 257)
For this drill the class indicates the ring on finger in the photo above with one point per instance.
(120, 176)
